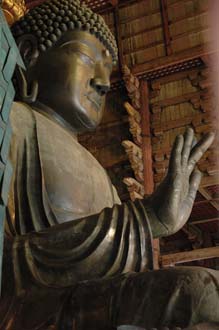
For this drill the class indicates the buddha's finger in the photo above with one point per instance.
(194, 183)
(194, 142)
(188, 141)
(199, 149)
(175, 158)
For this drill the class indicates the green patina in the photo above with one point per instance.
(9, 58)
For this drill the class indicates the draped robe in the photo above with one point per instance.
(70, 242)
(65, 219)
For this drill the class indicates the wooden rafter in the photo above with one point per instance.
(210, 180)
(202, 221)
(194, 54)
(188, 256)
(194, 235)
(166, 30)
(102, 6)
(206, 195)
(118, 35)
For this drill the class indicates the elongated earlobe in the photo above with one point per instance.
(27, 94)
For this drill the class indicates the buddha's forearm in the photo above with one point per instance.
(117, 240)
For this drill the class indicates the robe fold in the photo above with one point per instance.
(71, 247)
(63, 195)
(65, 221)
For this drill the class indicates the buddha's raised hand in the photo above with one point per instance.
(173, 200)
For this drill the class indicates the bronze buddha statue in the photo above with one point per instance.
(70, 243)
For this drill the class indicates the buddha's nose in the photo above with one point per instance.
(101, 86)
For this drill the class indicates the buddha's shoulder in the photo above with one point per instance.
(21, 116)
(24, 119)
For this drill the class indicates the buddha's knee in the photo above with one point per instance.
(201, 287)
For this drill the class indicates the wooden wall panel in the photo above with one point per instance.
(173, 89)
(177, 101)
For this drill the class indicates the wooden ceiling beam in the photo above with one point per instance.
(207, 201)
(166, 30)
(177, 100)
(118, 37)
(188, 256)
(210, 180)
(109, 6)
(208, 197)
(176, 76)
(202, 221)
(125, 3)
(114, 3)
(174, 59)
(140, 15)
(143, 31)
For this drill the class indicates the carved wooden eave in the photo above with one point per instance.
(134, 118)
(132, 85)
(135, 157)
(134, 149)
(136, 190)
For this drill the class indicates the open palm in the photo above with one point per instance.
(173, 200)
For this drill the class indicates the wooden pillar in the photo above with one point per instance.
(147, 156)
(118, 34)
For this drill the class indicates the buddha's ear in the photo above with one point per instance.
(27, 90)
(28, 47)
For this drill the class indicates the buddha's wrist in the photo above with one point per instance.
(158, 228)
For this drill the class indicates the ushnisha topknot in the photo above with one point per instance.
(50, 20)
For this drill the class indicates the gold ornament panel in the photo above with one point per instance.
(13, 10)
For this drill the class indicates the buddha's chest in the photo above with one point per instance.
(75, 184)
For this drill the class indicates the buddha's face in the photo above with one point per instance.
(73, 78)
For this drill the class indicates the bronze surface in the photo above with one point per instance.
(71, 246)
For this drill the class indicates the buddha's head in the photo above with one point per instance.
(69, 52)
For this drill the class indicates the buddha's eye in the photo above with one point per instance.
(86, 59)
(70, 49)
